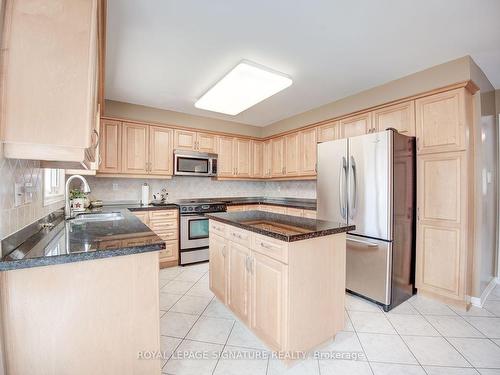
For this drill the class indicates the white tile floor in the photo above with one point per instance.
(420, 336)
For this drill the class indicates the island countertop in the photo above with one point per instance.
(281, 227)
(69, 241)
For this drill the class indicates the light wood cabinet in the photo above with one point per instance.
(225, 162)
(239, 280)
(441, 121)
(195, 141)
(111, 147)
(400, 117)
(292, 152)
(307, 152)
(242, 157)
(356, 125)
(135, 148)
(49, 78)
(277, 157)
(269, 295)
(267, 159)
(218, 266)
(442, 253)
(257, 165)
(328, 132)
(160, 149)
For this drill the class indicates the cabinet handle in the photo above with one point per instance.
(224, 251)
(262, 244)
(237, 235)
(97, 138)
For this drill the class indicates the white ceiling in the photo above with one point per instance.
(167, 53)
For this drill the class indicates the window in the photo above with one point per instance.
(53, 186)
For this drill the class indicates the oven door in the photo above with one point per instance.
(188, 165)
(194, 231)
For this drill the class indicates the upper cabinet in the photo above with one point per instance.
(111, 147)
(356, 125)
(195, 141)
(292, 154)
(307, 152)
(242, 157)
(257, 168)
(400, 117)
(266, 158)
(160, 150)
(277, 157)
(49, 82)
(328, 132)
(225, 162)
(135, 150)
(442, 121)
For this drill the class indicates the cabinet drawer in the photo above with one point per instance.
(163, 214)
(294, 211)
(309, 214)
(159, 225)
(217, 228)
(171, 251)
(239, 236)
(272, 248)
(168, 235)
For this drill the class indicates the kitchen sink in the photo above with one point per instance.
(93, 217)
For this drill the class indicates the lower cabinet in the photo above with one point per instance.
(268, 291)
(239, 276)
(165, 223)
(218, 264)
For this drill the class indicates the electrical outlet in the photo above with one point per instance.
(28, 192)
(115, 187)
(18, 194)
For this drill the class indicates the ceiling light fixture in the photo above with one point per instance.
(244, 86)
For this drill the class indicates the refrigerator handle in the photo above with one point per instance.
(352, 198)
(342, 185)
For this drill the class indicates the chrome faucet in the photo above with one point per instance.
(68, 212)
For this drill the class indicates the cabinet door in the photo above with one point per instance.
(218, 266)
(142, 216)
(269, 295)
(160, 150)
(307, 153)
(184, 140)
(441, 224)
(135, 148)
(400, 117)
(257, 159)
(239, 282)
(225, 165)
(278, 157)
(328, 132)
(206, 143)
(242, 157)
(292, 151)
(111, 147)
(171, 252)
(441, 122)
(356, 125)
(266, 159)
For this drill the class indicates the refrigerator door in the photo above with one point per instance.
(331, 184)
(370, 185)
(368, 268)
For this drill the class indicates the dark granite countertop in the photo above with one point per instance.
(282, 227)
(70, 241)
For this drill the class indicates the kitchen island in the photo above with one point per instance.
(81, 296)
(283, 276)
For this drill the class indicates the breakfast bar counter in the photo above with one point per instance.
(283, 276)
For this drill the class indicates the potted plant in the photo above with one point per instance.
(77, 199)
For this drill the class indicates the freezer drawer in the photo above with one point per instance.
(368, 268)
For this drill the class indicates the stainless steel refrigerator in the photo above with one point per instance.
(369, 181)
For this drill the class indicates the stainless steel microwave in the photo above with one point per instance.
(191, 163)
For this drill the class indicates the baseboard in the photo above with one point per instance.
(479, 301)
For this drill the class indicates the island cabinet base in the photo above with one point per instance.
(90, 317)
(290, 294)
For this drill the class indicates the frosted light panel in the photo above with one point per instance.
(243, 87)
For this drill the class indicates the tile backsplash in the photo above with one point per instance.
(123, 189)
(12, 217)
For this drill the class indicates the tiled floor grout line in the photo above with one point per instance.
(224, 347)
(360, 343)
(440, 335)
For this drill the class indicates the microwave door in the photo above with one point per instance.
(192, 166)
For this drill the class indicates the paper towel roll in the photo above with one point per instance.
(145, 194)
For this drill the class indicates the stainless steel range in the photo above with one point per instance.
(194, 228)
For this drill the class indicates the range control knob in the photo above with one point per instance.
(190, 208)
(184, 209)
